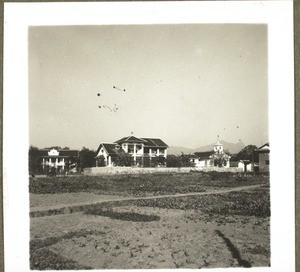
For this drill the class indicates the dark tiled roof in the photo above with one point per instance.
(205, 154)
(130, 139)
(110, 148)
(264, 149)
(193, 156)
(190, 156)
(148, 142)
(69, 153)
(154, 142)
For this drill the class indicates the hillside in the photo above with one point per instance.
(232, 148)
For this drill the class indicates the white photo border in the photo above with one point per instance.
(278, 15)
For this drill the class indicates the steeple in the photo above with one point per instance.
(218, 147)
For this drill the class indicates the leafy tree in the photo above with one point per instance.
(161, 160)
(124, 159)
(87, 158)
(186, 161)
(179, 161)
(246, 153)
(101, 161)
(34, 156)
(173, 161)
(220, 159)
(155, 161)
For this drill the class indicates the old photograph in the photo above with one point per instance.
(145, 146)
(149, 146)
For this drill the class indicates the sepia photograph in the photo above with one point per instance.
(148, 144)
(145, 149)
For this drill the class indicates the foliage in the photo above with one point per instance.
(86, 158)
(246, 154)
(101, 161)
(186, 161)
(173, 161)
(124, 159)
(179, 161)
(34, 156)
(156, 161)
(220, 159)
(52, 172)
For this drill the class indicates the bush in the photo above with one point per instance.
(124, 159)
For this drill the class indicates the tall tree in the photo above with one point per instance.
(220, 159)
(246, 153)
(87, 158)
(34, 155)
(173, 161)
(186, 161)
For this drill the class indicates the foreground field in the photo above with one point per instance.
(226, 230)
(143, 184)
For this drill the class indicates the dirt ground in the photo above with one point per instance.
(179, 239)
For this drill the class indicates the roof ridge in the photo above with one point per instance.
(151, 138)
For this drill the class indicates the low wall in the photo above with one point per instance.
(139, 170)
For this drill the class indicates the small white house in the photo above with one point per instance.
(249, 165)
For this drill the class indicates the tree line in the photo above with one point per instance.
(87, 158)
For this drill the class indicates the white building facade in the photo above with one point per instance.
(142, 150)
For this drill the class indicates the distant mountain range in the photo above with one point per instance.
(232, 148)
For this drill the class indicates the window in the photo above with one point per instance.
(267, 162)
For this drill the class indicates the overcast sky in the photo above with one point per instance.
(185, 84)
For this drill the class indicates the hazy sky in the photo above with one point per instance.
(185, 84)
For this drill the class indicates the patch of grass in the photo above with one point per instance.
(254, 202)
(143, 184)
(124, 216)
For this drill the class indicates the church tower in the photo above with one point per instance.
(218, 147)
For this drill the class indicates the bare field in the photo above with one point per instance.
(226, 230)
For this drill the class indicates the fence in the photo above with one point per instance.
(139, 170)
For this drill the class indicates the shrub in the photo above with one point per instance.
(124, 159)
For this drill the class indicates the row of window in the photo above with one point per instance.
(53, 160)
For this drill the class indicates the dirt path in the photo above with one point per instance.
(65, 208)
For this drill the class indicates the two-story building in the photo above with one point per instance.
(61, 159)
(263, 158)
(142, 150)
